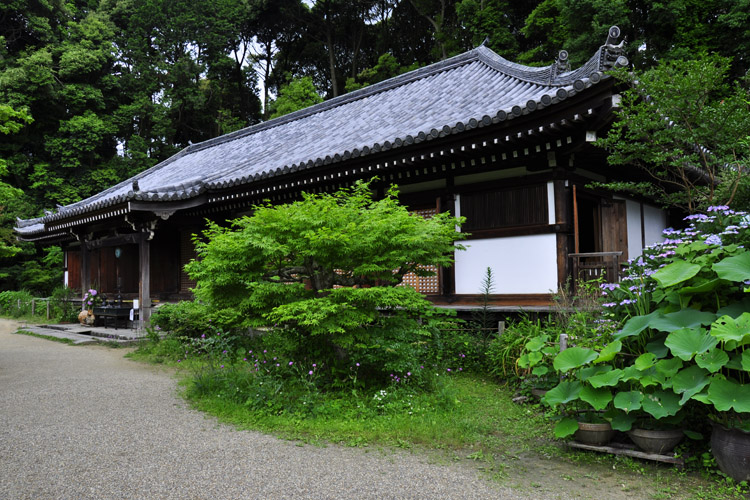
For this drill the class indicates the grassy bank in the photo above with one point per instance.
(468, 418)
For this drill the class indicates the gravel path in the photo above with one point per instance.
(83, 422)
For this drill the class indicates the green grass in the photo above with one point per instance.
(468, 418)
(480, 416)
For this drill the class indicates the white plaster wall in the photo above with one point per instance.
(633, 211)
(654, 222)
(551, 202)
(520, 264)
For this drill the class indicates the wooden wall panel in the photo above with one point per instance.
(165, 263)
(614, 226)
(74, 269)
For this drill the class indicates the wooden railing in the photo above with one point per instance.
(594, 265)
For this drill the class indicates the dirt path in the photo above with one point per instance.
(83, 422)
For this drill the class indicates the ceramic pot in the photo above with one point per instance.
(731, 449)
(653, 441)
(594, 434)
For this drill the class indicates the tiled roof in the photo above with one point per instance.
(474, 89)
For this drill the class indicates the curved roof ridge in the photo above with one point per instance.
(390, 83)
(515, 90)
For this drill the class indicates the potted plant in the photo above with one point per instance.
(581, 400)
(686, 320)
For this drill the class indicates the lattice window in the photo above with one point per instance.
(427, 285)
(518, 206)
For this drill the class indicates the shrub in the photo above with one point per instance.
(325, 271)
(15, 304)
(62, 306)
(504, 351)
(183, 319)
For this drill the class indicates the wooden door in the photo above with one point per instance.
(614, 228)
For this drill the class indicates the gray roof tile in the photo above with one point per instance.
(474, 89)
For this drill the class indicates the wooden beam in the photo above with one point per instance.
(576, 246)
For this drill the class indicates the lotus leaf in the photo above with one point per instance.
(538, 371)
(668, 367)
(735, 361)
(566, 427)
(736, 268)
(684, 318)
(549, 350)
(635, 325)
(609, 352)
(606, 379)
(728, 329)
(645, 361)
(535, 358)
(657, 347)
(631, 373)
(565, 392)
(523, 361)
(735, 309)
(729, 395)
(650, 378)
(597, 398)
(629, 400)
(676, 272)
(622, 421)
(712, 360)
(706, 286)
(661, 404)
(687, 342)
(689, 382)
(537, 343)
(702, 397)
(746, 360)
(590, 371)
(574, 357)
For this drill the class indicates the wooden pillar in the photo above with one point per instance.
(85, 271)
(144, 290)
(562, 223)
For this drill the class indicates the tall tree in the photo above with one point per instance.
(441, 14)
(688, 130)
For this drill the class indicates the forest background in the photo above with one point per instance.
(93, 92)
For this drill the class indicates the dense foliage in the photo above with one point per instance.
(682, 326)
(115, 86)
(325, 271)
(688, 129)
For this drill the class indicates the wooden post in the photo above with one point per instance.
(85, 272)
(563, 341)
(575, 219)
(144, 292)
(33, 307)
(500, 328)
(48, 310)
